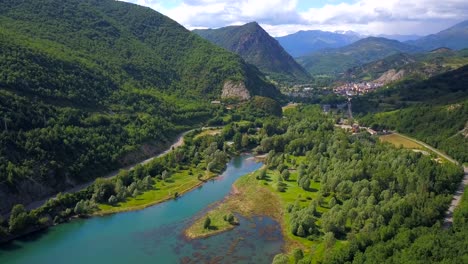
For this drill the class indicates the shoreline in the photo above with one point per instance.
(248, 195)
(144, 206)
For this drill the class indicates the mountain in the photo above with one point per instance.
(401, 38)
(336, 61)
(306, 42)
(254, 44)
(89, 86)
(403, 65)
(455, 37)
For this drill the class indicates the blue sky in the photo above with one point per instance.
(281, 17)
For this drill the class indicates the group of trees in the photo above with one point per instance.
(369, 192)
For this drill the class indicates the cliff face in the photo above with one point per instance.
(232, 90)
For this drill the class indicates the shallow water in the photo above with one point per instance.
(155, 234)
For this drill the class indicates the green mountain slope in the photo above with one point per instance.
(434, 110)
(455, 37)
(403, 65)
(89, 86)
(336, 61)
(258, 48)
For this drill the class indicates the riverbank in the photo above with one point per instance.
(179, 184)
(179, 141)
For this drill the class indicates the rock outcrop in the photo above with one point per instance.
(235, 90)
(391, 76)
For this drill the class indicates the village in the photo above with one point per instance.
(350, 89)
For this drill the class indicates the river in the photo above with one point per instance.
(155, 234)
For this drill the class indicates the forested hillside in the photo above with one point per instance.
(257, 47)
(89, 86)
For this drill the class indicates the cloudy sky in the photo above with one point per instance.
(282, 17)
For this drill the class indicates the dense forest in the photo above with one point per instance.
(90, 86)
(357, 199)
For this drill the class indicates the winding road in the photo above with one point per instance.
(178, 142)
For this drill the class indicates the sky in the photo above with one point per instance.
(283, 17)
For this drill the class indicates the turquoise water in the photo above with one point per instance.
(154, 235)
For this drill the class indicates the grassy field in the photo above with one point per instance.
(289, 106)
(209, 132)
(398, 141)
(180, 183)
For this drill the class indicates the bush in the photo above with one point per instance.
(207, 223)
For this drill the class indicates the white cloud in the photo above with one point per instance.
(280, 17)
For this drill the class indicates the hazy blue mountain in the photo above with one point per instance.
(306, 42)
(455, 37)
(336, 61)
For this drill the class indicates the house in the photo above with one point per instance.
(216, 102)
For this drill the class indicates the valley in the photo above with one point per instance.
(232, 132)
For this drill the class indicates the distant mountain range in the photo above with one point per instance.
(455, 37)
(306, 42)
(337, 61)
(257, 47)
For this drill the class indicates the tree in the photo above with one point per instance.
(207, 223)
(262, 174)
(285, 174)
(165, 175)
(237, 141)
(298, 254)
(301, 232)
(280, 259)
(245, 141)
(19, 219)
(113, 200)
(332, 202)
(329, 239)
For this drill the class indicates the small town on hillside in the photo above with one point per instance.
(350, 89)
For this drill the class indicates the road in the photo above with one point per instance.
(178, 142)
(445, 156)
(456, 200)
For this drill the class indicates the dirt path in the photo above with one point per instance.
(178, 142)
